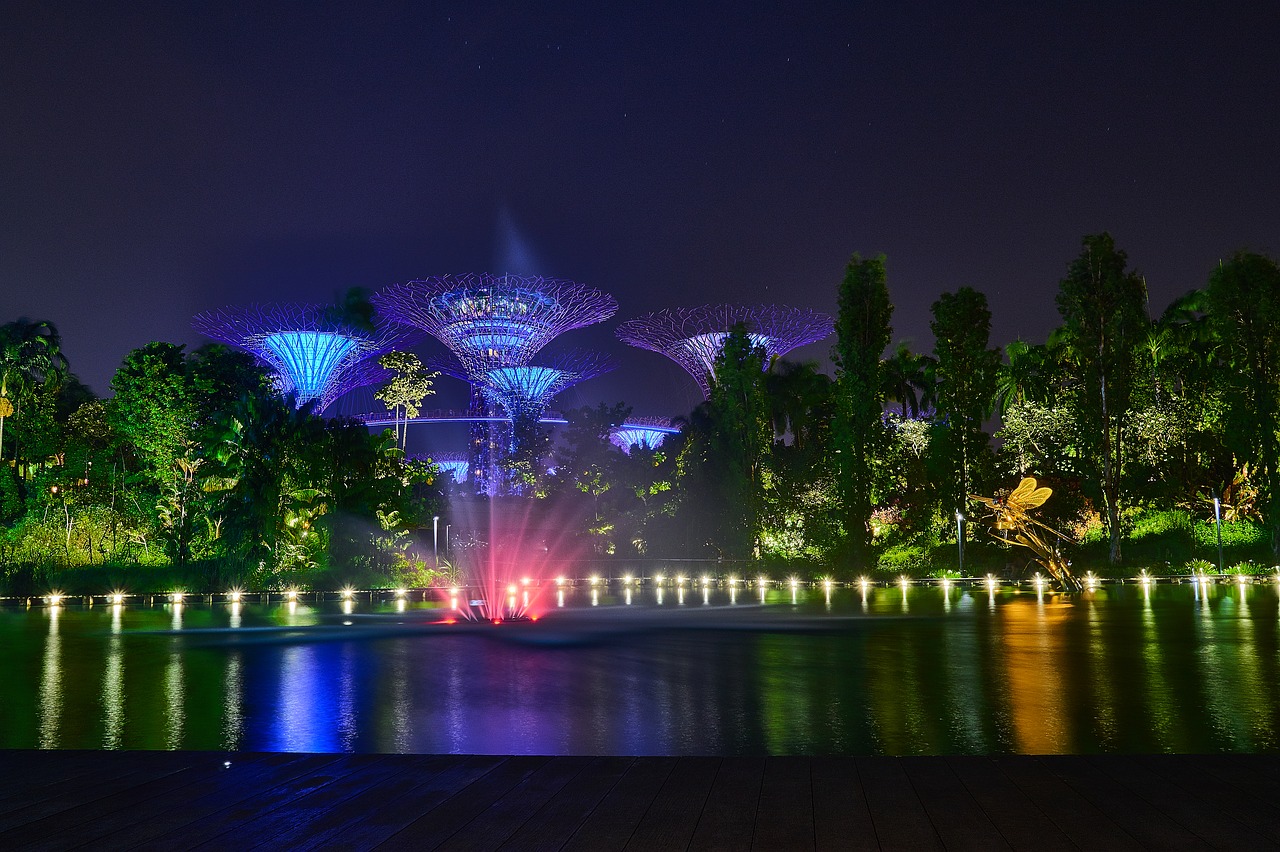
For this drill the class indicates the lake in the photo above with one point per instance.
(925, 670)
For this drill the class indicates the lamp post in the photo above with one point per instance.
(446, 537)
(1217, 522)
(960, 539)
(435, 538)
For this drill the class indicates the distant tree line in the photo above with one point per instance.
(196, 464)
(1138, 423)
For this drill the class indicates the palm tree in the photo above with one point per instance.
(30, 357)
(908, 380)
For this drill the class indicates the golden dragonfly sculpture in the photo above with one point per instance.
(1011, 517)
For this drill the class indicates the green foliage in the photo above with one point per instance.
(862, 333)
(967, 372)
(912, 560)
(1103, 307)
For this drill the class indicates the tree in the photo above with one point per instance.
(740, 440)
(409, 385)
(966, 371)
(1243, 301)
(1103, 308)
(909, 380)
(30, 359)
(862, 333)
(153, 408)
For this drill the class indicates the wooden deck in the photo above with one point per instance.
(200, 800)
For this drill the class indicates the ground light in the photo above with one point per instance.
(1090, 581)
(991, 582)
(234, 595)
(658, 580)
(55, 599)
(117, 597)
(1144, 578)
(176, 597)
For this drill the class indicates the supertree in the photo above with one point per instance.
(315, 354)
(494, 320)
(693, 337)
(525, 391)
(647, 432)
(456, 465)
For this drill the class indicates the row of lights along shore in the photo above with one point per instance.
(1038, 582)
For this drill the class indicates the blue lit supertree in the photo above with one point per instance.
(492, 322)
(314, 353)
(525, 391)
(456, 465)
(694, 337)
(647, 432)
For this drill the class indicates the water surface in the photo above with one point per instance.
(922, 671)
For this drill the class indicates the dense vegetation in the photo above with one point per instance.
(197, 471)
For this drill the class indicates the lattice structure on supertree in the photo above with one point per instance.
(314, 354)
(524, 392)
(457, 465)
(694, 337)
(647, 432)
(490, 321)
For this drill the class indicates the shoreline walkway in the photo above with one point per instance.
(105, 800)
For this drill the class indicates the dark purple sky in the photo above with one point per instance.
(161, 159)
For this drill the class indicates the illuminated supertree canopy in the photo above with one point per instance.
(647, 432)
(314, 355)
(525, 391)
(693, 337)
(456, 465)
(492, 321)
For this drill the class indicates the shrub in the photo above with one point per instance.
(910, 559)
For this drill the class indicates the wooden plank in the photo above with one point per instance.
(899, 818)
(66, 797)
(91, 820)
(1020, 822)
(1187, 785)
(1143, 822)
(444, 820)
(610, 826)
(841, 817)
(1085, 825)
(288, 795)
(785, 817)
(23, 772)
(182, 822)
(1248, 773)
(497, 823)
(552, 826)
(728, 817)
(1201, 808)
(957, 817)
(673, 815)
(294, 817)
(393, 805)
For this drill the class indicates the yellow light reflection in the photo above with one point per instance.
(113, 684)
(1033, 644)
(51, 684)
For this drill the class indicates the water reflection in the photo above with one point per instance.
(51, 683)
(113, 683)
(1189, 668)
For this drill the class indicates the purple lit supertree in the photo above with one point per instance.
(315, 354)
(693, 337)
(647, 432)
(494, 320)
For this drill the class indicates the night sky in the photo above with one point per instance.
(161, 159)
